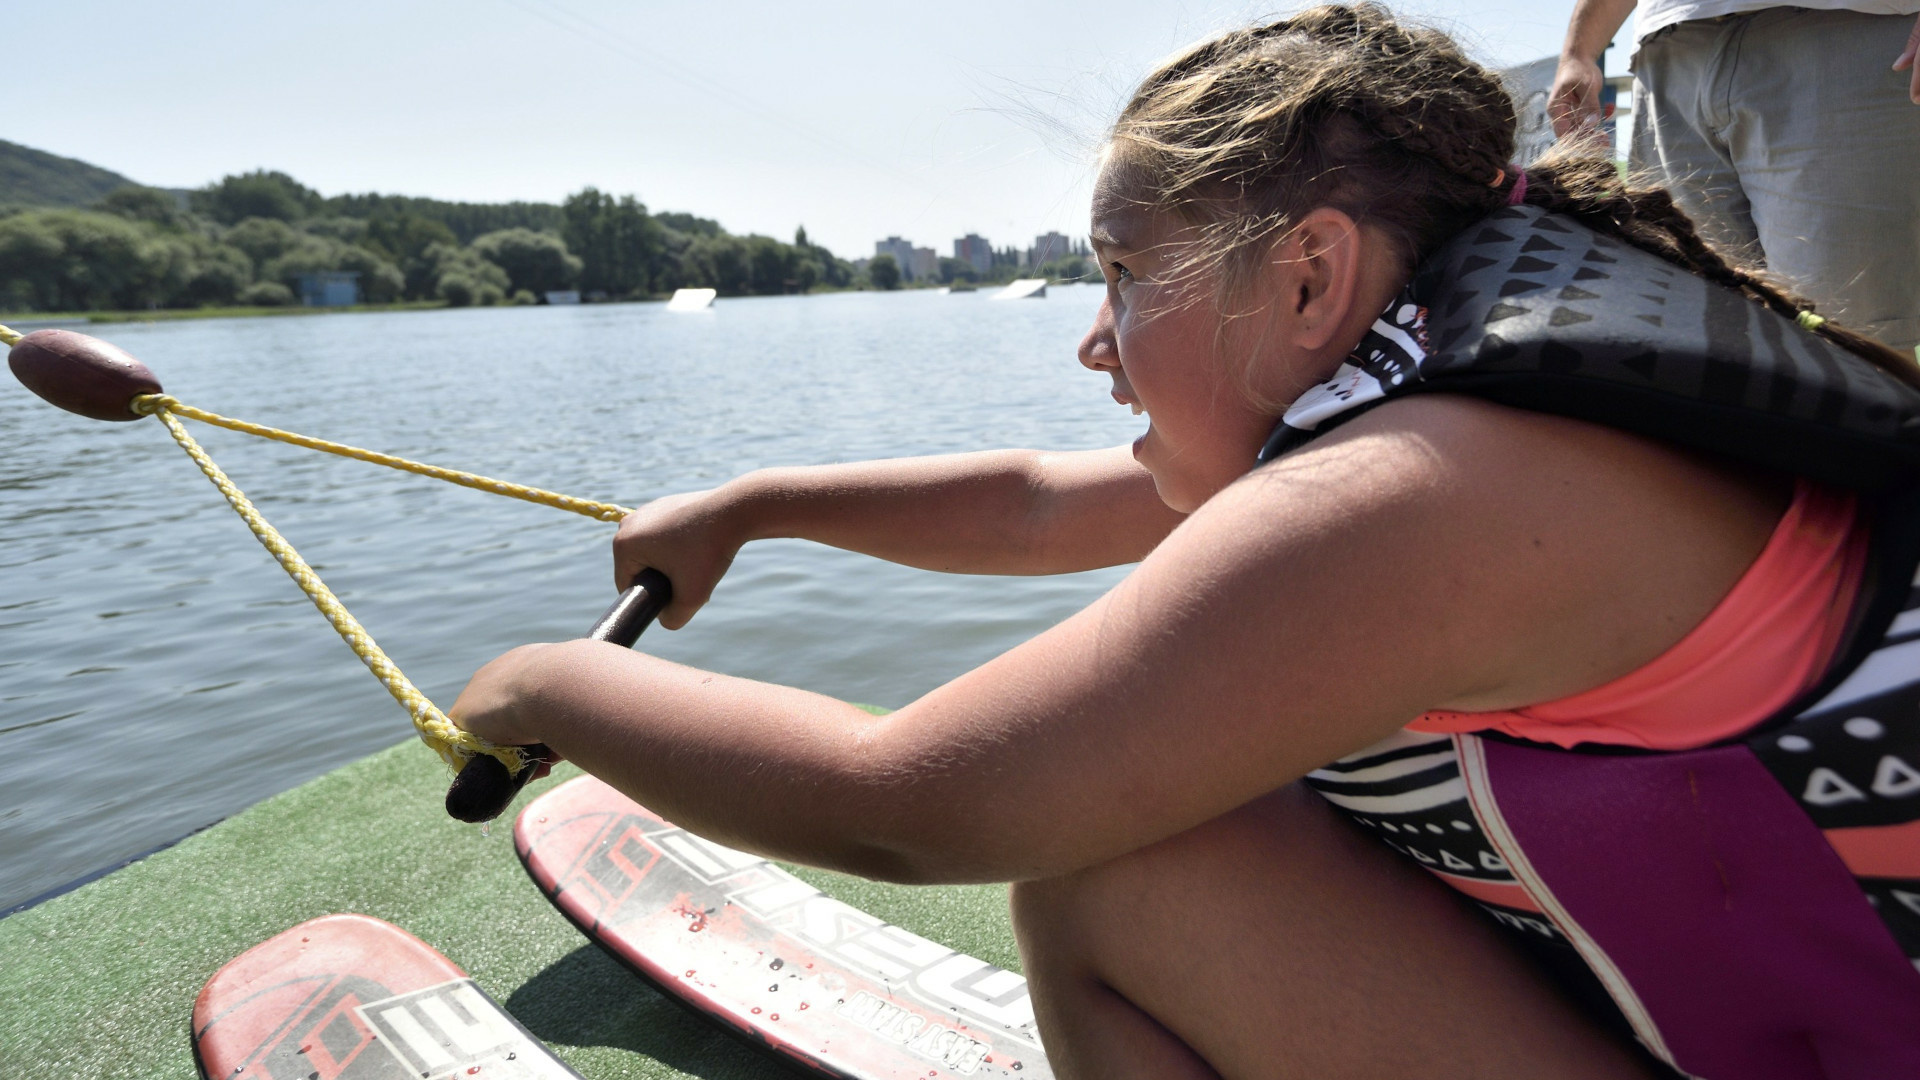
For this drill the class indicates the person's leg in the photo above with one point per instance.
(1827, 145)
(1279, 941)
(1676, 133)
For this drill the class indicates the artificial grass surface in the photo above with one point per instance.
(100, 982)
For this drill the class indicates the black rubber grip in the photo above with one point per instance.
(484, 789)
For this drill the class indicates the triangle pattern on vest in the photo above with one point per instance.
(1895, 779)
(1828, 788)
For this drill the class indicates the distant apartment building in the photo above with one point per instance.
(1048, 247)
(902, 253)
(974, 250)
(924, 265)
(916, 263)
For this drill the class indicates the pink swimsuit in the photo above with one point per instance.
(1768, 640)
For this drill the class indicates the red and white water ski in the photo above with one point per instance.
(348, 997)
(825, 985)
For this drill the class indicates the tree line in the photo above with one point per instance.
(247, 239)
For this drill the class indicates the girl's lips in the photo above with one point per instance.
(1137, 408)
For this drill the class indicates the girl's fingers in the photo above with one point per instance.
(1906, 61)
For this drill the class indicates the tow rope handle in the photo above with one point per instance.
(484, 788)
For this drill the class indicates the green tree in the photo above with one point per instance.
(720, 262)
(346, 229)
(209, 272)
(687, 223)
(884, 272)
(263, 239)
(461, 277)
(77, 260)
(769, 265)
(137, 203)
(403, 237)
(537, 262)
(1068, 268)
(620, 247)
(260, 194)
(952, 270)
(266, 294)
(465, 221)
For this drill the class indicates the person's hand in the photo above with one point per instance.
(691, 538)
(496, 704)
(1574, 103)
(1907, 62)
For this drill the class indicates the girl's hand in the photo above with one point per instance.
(691, 538)
(498, 704)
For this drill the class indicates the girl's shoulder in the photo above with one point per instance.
(1601, 547)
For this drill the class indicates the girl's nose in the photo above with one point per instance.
(1100, 350)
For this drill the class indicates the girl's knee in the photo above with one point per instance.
(1286, 829)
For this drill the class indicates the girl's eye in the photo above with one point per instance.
(1120, 272)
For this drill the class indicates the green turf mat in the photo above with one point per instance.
(100, 982)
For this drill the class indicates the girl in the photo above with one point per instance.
(1427, 606)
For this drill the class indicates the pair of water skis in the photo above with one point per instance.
(823, 986)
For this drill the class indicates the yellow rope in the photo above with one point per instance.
(157, 403)
(452, 744)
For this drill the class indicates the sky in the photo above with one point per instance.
(858, 120)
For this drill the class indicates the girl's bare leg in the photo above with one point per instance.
(1277, 941)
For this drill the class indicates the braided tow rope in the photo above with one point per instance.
(453, 745)
(157, 403)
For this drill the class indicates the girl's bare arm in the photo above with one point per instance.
(996, 512)
(1435, 553)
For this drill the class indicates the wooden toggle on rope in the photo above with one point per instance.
(85, 375)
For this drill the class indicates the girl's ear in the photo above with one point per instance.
(1318, 269)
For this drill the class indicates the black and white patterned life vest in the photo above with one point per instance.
(1752, 907)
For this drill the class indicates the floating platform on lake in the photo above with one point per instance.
(691, 300)
(1023, 289)
(100, 981)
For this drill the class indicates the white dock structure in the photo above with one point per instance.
(1024, 289)
(691, 300)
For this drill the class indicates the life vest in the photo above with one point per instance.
(1751, 907)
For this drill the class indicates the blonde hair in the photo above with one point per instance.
(1346, 107)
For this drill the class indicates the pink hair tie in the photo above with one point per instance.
(1518, 193)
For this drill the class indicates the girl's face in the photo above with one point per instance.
(1171, 354)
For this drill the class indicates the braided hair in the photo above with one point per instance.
(1344, 106)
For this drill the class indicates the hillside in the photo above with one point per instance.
(30, 177)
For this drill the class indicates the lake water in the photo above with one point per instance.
(158, 671)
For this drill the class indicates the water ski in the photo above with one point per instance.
(354, 998)
(818, 982)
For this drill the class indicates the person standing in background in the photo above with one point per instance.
(1781, 133)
